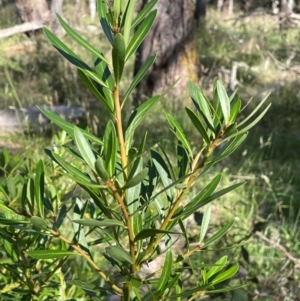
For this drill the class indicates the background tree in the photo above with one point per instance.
(56, 8)
(173, 39)
(33, 10)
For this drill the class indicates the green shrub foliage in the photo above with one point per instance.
(108, 200)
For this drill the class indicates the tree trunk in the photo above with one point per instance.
(220, 4)
(92, 4)
(286, 9)
(172, 38)
(56, 8)
(33, 10)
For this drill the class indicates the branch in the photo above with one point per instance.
(27, 26)
(280, 248)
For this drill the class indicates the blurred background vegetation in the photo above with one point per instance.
(253, 48)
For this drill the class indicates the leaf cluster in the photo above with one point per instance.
(136, 199)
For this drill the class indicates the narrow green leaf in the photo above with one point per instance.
(203, 201)
(89, 84)
(217, 267)
(110, 148)
(145, 233)
(95, 77)
(128, 19)
(257, 107)
(232, 146)
(80, 40)
(118, 56)
(140, 34)
(10, 249)
(68, 127)
(74, 173)
(65, 50)
(143, 13)
(117, 10)
(7, 221)
(137, 222)
(206, 192)
(164, 176)
(49, 254)
(235, 110)
(99, 223)
(79, 233)
(198, 124)
(39, 188)
(166, 272)
(103, 72)
(139, 114)
(3, 207)
(102, 13)
(139, 76)
(30, 191)
(249, 126)
(219, 234)
(119, 254)
(226, 274)
(178, 131)
(84, 148)
(202, 104)
(205, 223)
(224, 101)
(40, 222)
(100, 169)
(135, 180)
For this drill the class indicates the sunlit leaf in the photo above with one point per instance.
(143, 13)
(166, 272)
(224, 101)
(49, 254)
(205, 223)
(84, 148)
(178, 131)
(80, 40)
(102, 13)
(226, 274)
(140, 34)
(217, 267)
(128, 19)
(219, 234)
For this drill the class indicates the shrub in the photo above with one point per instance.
(133, 202)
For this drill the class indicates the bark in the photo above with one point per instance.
(172, 39)
(33, 10)
(56, 8)
(225, 6)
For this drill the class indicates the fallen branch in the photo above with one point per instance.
(25, 27)
(279, 248)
